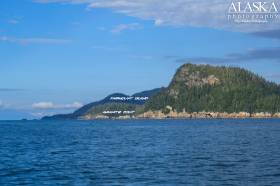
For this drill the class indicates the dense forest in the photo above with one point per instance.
(217, 89)
(195, 88)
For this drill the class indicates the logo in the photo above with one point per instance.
(253, 12)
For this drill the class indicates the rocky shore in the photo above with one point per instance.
(185, 115)
(174, 114)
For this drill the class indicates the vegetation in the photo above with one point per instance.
(106, 104)
(217, 89)
(196, 88)
(99, 109)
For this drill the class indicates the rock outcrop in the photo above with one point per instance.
(185, 115)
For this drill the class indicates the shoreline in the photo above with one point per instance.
(158, 115)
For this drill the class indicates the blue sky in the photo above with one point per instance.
(56, 55)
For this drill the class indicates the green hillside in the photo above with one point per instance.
(217, 89)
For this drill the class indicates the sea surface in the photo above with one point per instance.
(140, 152)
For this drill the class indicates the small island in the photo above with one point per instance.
(196, 91)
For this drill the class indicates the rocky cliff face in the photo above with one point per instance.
(188, 78)
(191, 78)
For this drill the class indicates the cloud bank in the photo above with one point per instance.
(276, 76)
(10, 89)
(271, 54)
(121, 27)
(273, 34)
(33, 40)
(51, 105)
(3, 105)
(202, 13)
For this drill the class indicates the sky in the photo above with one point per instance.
(57, 55)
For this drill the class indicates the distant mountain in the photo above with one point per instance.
(112, 102)
(196, 91)
(196, 88)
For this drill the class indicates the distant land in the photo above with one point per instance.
(196, 91)
(113, 103)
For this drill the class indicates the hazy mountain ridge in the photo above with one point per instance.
(107, 103)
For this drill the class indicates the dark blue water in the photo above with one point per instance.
(170, 152)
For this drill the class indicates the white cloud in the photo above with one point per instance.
(4, 105)
(33, 40)
(13, 21)
(43, 105)
(107, 48)
(63, 1)
(40, 114)
(101, 28)
(141, 57)
(121, 27)
(274, 76)
(73, 105)
(51, 105)
(202, 13)
(159, 22)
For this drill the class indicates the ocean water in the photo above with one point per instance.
(140, 152)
